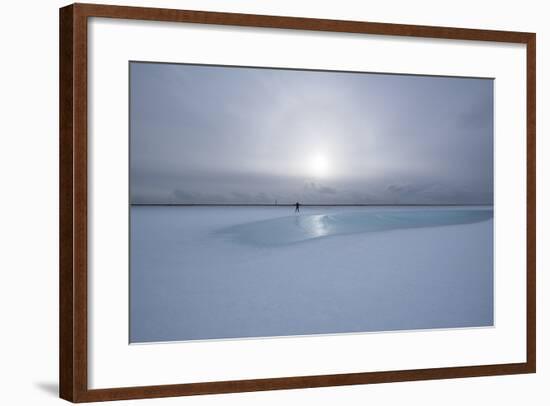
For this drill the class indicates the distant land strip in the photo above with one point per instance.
(306, 204)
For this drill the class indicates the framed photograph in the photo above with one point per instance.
(256, 202)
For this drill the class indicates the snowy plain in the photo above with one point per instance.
(200, 273)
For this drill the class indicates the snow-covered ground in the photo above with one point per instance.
(228, 272)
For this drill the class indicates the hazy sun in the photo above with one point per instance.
(319, 165)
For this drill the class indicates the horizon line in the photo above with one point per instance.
(311, 204)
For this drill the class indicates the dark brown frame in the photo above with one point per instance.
(73, 360)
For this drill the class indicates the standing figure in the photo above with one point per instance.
(297, 210)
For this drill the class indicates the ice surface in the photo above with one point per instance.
(222, 272)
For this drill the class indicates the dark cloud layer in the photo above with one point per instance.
(202, 134)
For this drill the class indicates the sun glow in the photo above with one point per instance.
(319, 165)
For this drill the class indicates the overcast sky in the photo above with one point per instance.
(201, 134)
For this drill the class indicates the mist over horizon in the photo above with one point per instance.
(227, 135)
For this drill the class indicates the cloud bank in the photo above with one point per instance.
(203, 134)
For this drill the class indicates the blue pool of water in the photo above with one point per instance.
(303, 227)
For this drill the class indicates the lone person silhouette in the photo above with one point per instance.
(297, 209)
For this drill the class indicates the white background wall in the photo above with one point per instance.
(29, 193)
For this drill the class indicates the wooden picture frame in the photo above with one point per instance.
(73, 208)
